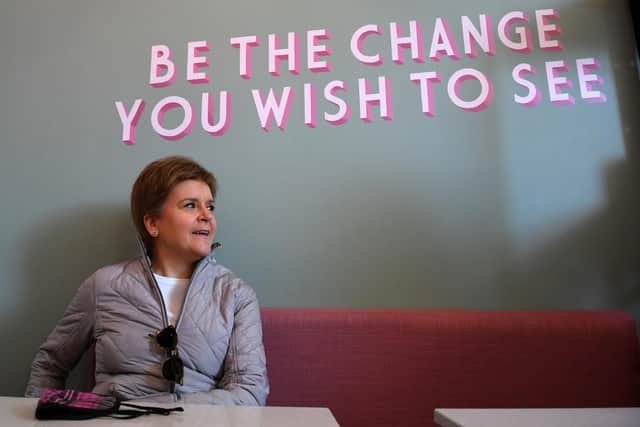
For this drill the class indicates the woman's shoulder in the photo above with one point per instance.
(109, 273)
(226, 278)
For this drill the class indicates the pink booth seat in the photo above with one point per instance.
(393, 368)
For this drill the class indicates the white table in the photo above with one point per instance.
(570, 417)
(20, 412)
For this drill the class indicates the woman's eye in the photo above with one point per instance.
(212, 208)
(190, 205)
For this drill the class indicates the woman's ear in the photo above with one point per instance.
(151, 224)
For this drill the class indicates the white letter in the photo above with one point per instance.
(194, 61)
(157, 116)
(344, 111)
(414, 41)
(533, 96)
(314, 50)
(486, 90)
(426, 90)
(273, 107)
(588, 80)
(484, 37)
(310, 116)
(245, 44)
(206, 114)
(544, 28)
(524, 45)
(129, 120)
(555, 83)
(161, 60)
(356, 45)
(382, 98)
(442, 42)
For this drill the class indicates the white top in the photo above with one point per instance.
(20, 412)
(557, 417)
(173, 291)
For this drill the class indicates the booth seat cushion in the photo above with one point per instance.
(394, 367)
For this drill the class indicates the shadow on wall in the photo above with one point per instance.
(595, 265)
(60, 255)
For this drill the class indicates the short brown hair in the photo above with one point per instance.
(155, 183)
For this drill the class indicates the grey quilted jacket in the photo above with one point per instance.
(119, 306)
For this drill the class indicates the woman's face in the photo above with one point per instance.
(185, 229)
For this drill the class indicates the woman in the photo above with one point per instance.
(172, 324)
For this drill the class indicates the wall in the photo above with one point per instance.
(510, 207)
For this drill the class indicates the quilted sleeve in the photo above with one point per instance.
(66, 344)
(244, 381)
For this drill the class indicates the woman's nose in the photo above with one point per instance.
(206, 214)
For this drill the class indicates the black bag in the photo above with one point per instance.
(76, 405)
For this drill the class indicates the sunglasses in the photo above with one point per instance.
(172, 368)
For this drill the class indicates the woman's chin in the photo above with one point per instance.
(202, 250)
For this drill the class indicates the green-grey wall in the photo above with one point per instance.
(507, 208)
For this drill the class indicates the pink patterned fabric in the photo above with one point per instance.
(75, 405)
(77, 399)
(394, 367)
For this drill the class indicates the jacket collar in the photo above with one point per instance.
(201, 265)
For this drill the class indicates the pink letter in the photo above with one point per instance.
(273, 107)
(206, 114)
(290, 53)
(382, 98)
(245, 44)
(356, 44)
(194, 61)
(315, 50)
(426, 90)
(555, 83)
(157, 117)
(524, 45)
(533, 96)
(472, 37)
(344, 111)
(161, 60)
(130, 120)
(310, 116)
(544, 29)
(587, 80)
(413, 41)
(442, 41)
(486, 90)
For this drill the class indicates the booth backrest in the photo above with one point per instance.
(393, 368)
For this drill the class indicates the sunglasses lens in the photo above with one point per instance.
(173, 369)
(168, 337)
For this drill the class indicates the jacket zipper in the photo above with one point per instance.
(201, 266)
(195, 274)
(146, 262)
(165, 317)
